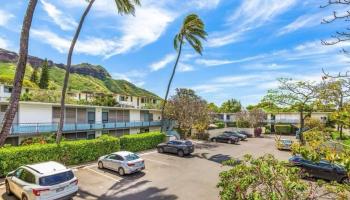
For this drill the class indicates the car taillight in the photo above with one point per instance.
(37, 192)
(131, 164)
(74, 182)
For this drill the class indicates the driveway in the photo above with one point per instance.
(168, 176)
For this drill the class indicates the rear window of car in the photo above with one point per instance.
(56, 178)
(131, 157)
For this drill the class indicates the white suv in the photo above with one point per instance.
(49, 181)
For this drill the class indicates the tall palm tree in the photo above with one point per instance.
(192, 31)
(20, 70)
(123, 7)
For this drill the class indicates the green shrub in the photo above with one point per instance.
(220, 124)
(243, 124)
(267, 129)
(283, 129)
(141, 142)
(68, 153)
(231, 124)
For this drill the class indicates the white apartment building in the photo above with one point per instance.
(81, 121)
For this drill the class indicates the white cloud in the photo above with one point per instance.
(301, 22)
(204, 4)
(249, 15)
(163, 63)
(4, 43)
(63, 20)
(133, 76)
(182, 67)
(5, 17)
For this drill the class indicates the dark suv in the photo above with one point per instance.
(322, 169)
(179, 147)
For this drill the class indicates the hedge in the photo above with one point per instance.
(267, 129)
(283, 129)
(141, 142)
(68, 153)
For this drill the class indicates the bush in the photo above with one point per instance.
(68, 153)
(283, 129)
(220, 124)
(231, 124)
(141, 142)
(267, 129)
(243, 124)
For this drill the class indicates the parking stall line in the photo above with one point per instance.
(156, 161)
(102, 174)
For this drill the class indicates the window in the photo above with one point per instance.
(56, 178)
(104, 117)
(122, 98)
(3, 108)
(131, 99)
(115, 157)
(131, 157)
(7, 89)
(142, 100)
(27, 176)
(154, 101)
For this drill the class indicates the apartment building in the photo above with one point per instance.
(81, 121)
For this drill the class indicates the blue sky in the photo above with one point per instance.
(250, 43)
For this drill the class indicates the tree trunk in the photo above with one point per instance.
(169, 83)
(340, 128)
(20, 70)
(301, 126)
(66, 77)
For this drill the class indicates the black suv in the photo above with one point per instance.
(179, 147)
(322, 169)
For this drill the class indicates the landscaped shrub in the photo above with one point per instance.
(267, 129)
(283, 129)
(231, 124)
(243, 124)
(141, 142)
(220, 124)
(68, 153)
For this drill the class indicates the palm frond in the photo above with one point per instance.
(127, 6)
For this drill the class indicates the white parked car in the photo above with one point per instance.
(42, 181)
(124, 162)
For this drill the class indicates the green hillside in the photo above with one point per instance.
(77, 82)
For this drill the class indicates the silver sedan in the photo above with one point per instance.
(124, 162)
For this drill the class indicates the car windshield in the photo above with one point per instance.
(286, 141)
(131, 157)
(56, 178)
(188, 143)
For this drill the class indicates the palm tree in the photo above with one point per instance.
(20, 70)
(192, 31)
(123, 7)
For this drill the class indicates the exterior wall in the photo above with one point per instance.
(157, 115)
(135, 115)
(98, 114)
(154, 129)
(34, 113)
(320, 116)
(134, 131)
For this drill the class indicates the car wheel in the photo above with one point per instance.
(229, 141)
(160, 150)
(180, 153)
(8, 189)
(100, 165)
(121, 171)
(214, 140)
(24, 197)
(345, 181)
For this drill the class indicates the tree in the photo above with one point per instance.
(44, 78)
(188, 110)
(192, 30)
(266, 178)
(213, 108)
(253, 118)
(335, 92)
(19, 75)
(299, 95)
(231, 106)
(123, 7)
(34, 77)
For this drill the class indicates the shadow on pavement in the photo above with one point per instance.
(129, 177)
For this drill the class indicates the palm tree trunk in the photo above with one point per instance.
(170, 81)
(66, 77)
(20, 70)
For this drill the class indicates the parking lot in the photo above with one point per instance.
(170, 177)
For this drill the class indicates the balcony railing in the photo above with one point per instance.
(37, 128)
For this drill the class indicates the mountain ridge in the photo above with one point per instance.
(84, 76)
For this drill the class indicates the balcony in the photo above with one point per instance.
(289, 121)
(38, 128)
